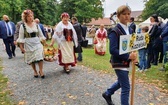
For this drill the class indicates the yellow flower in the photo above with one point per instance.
(131, 43)
(133, 38)
(147, 38)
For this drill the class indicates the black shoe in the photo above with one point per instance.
(35, 76)
(10, 58)
(67, 71)
(42, 76)
(160, 61)
(14, 55)
(79, 60)
(108, 99)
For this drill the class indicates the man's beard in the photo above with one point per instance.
(6, 21)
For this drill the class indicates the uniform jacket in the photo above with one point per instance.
(114, 47)
(164, 34)
(78, 30)
(42, 29)
(133, 26)
(3, 29)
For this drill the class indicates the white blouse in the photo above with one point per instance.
(58, 35)
(35, 28)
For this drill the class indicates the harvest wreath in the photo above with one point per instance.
(50, 53)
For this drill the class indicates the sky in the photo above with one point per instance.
(111, 6)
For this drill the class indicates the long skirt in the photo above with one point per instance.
(100, 47)
(66, 55)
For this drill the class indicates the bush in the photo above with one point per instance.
(166, 69)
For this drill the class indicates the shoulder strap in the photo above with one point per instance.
(38, 30)
(25, 32)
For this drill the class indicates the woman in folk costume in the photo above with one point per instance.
(100, 40)
(30, 38)
(66, 38)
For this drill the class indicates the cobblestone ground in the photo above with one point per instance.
(83, 86)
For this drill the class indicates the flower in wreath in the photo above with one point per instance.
(147, 38)
(133, 38)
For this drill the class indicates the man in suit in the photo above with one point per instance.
(41, 26)
(132, 24)
(7, 31)
(84, 30)
(164, 37)
(78, 28)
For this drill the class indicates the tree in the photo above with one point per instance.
(49, 11)
(84, 10)
(43, 9)
(12, 9)
(159, 7)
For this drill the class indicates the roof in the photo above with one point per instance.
(105, 21)
(136, 13)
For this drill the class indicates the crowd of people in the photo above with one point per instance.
(30, 36)
(156, 49)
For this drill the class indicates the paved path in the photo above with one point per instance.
(83, 86)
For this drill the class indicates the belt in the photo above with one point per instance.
(30, 35)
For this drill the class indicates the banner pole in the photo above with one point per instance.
(132, 84)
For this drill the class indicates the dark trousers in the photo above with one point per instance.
(161, 55)
(79, 58)
(10, 46)
(123, 83)
(156, 56)
(165, 51)
(149, 55)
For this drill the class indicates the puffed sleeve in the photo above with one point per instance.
(21, 38)
(58, 34)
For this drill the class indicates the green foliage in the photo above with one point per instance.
(166, 66)
(45, 10)
(162, 10)
(11, 8)
(49, 11)
(159, 7)
(84, 10)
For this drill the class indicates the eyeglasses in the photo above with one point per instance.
(26, 12)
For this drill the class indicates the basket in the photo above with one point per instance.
(50, 54)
